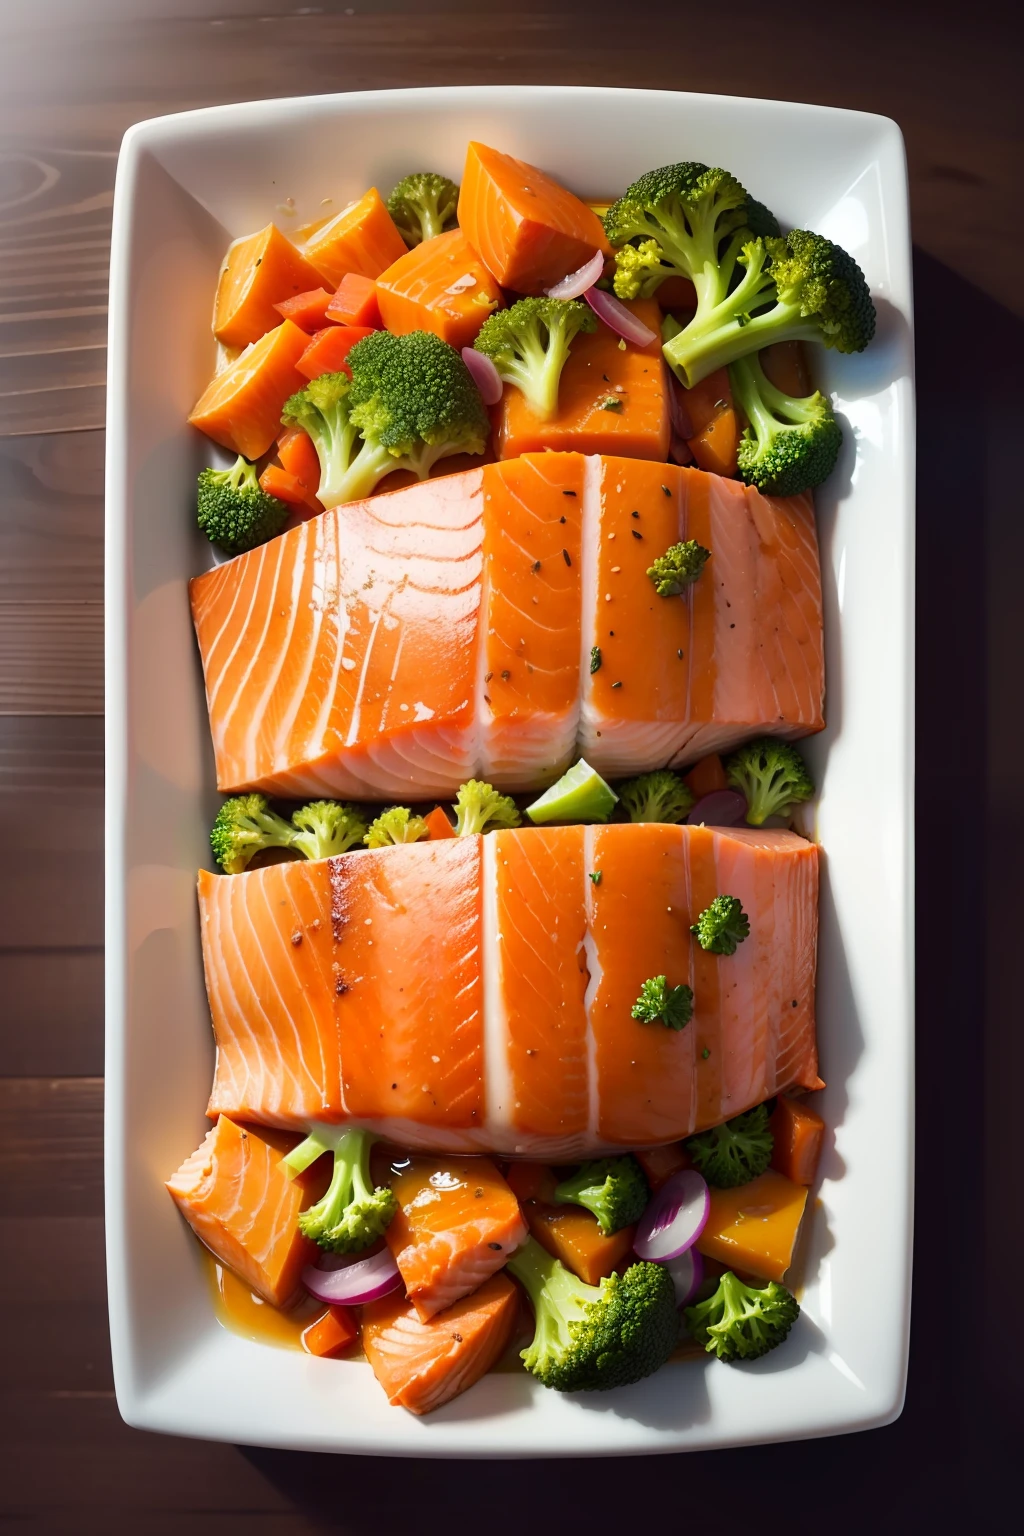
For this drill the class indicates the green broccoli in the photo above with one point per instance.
(772, 775)
(680, 565)
(234, 512)
(423, 205)
(640, 270)
(398, 825)
(659, 1003)
(760, 220)
(614, 1188)
(658, 796)
(529, 345)
(722, 926)
(797, 287)
(791, 443)
(352, 1214)
(326, 827)
(245, 824)
(592, 1337)
(736, 1152)
(742, 1322)
(411, 401)
(479, 808)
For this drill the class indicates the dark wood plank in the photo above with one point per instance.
(51, 523)
(53, 1010)
(51, 1148)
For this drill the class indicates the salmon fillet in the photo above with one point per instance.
(395, 647)
(421, 1364)
(457, 1224)
(238, 1200)
(482, 987)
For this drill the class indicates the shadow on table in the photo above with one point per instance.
(929, 1464)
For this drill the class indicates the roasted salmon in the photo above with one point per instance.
(395, 647)
(474, 994)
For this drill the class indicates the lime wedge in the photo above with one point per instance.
(579, 795)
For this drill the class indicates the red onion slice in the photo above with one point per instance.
(687, 1271)
(674, 1219)
(579, 281)
(485, 376)
(360, 1281)
(618, 318)
(721, 808)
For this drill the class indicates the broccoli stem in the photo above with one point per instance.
(360, 479)
(551, 1287)
(761, 402)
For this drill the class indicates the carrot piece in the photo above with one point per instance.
(331, 1335)
(441, 285)
(531, 1181)
(598, 371)
(439, 823)
(660, 1163)
(715, 423)
(706, 776)
(754, 1227)
(288, 487)
(573, 1235)
(329, 348)
(798, 1133)
(362, 238)
(421, 1364)
(528, 230)
(308, 310)
(239, 1201)
(785, 363)
(299, 457)
(355, 302)
(241, 406)
(258, 273)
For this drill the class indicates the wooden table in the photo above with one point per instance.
(68, 89)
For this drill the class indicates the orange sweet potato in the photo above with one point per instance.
(331, 1335)
(441, 285)
(258, 274)
(573, 1235)
(798, 1133)
(241, 406)
(706, 776)
(362, 238)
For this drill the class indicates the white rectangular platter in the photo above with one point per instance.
(186, 186)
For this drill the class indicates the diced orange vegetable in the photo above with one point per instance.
(329, 348)
(240, 1202)
(529, 231)
(706, 776)
(457, 1222)
(598, 371)
(715, 422)
(308, 310)
(241, 407)
(531, 1181)
(785, 363)
(572, 1234)
(355, 302)
(439, 823)
(299, 457)
(362, 238)
(798, 1133)
(258, 273)
(754, 1227)
(421, 1364)
(331, 1335)
(660, 1163)
(441, 285)
(289, 488)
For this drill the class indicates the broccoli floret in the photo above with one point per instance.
(414, 397)
(398, 825)
(772, 775)
(352, 1214)
(640, 270)
(349, 466)
(326, 827)
(792, 442)
(736, 1152)
(423, 205)
(479, 808)
(658, 796)
(741, 1322)
(659, 1003)
(592, 1337)
(760, 220)
(614, 1188)
(245, 824)
(680, 565)
(234, 512)
(529, 345)
(798, 287)
(722, 926)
